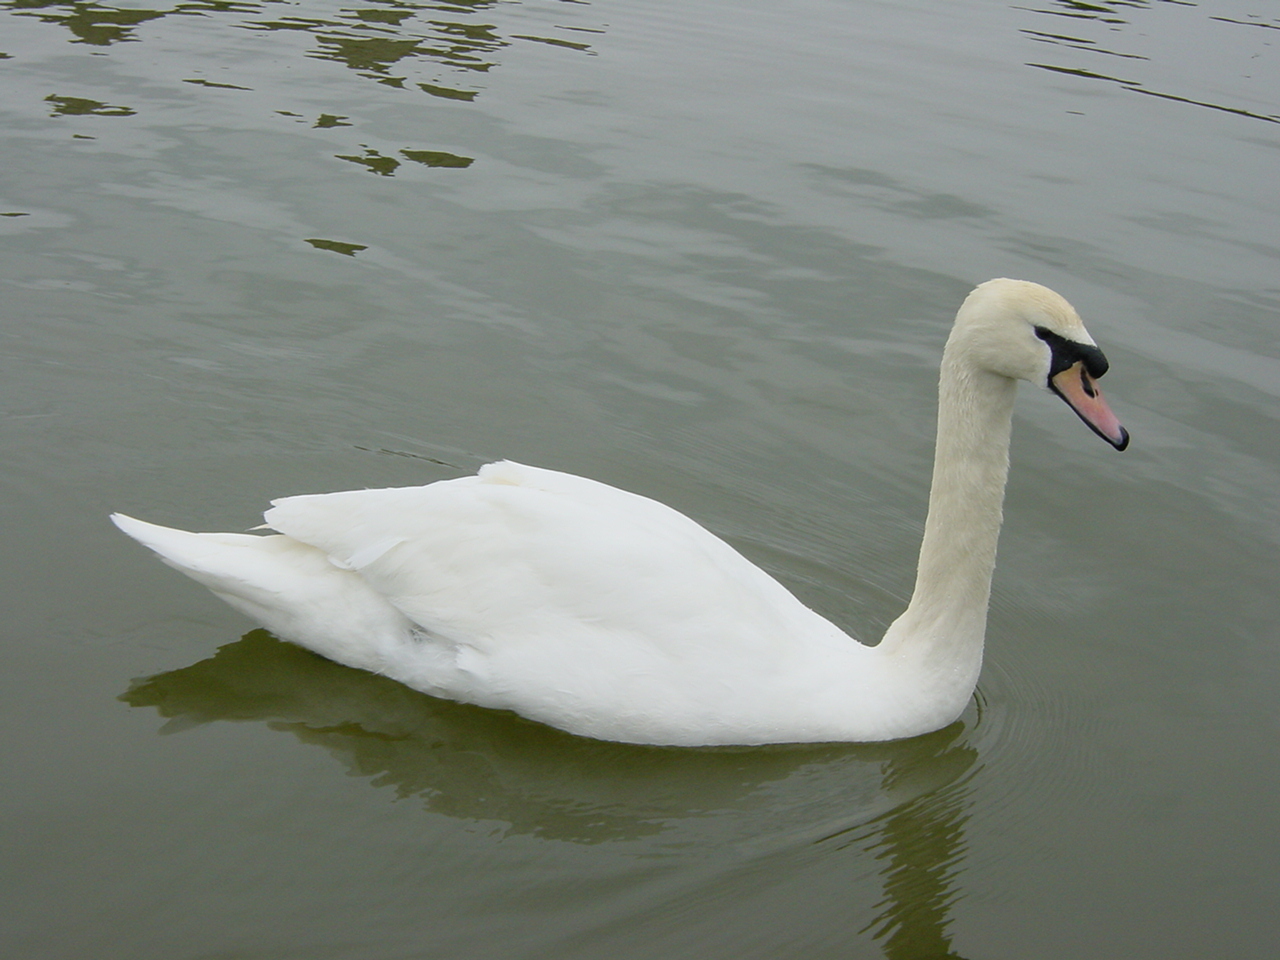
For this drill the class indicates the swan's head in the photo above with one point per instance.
(1024, 331)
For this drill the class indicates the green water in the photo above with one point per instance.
(705, 251)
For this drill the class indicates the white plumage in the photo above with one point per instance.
(610, 615)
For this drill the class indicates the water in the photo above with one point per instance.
(705, 251)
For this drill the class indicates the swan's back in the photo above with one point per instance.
(573, 602)
(517, 543)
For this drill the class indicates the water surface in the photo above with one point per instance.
(707, 252)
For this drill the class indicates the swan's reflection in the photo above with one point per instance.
(923, 846)
(904, 802)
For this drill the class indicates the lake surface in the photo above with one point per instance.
(706, 251)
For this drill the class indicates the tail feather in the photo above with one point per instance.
(288, 587)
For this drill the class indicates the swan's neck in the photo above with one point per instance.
(943, 627)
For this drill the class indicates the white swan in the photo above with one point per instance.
(613, 616)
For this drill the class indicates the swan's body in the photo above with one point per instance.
(613, 616)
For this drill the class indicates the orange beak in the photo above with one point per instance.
(1081, 392)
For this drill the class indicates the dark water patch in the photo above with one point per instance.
(554, 42)
(447, 93)
(217, 86)
(1137, 87)
(438, 158)
(337, 246)
(84, 107)
(1225, 63)
(1078, 43)
(373, 161)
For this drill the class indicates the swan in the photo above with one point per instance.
(613, 616)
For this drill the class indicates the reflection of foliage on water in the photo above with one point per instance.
(437, 48)
(463, 41)
(371, 40)
(102, 26)
(1108, 11)
(1137, 87)
(89, 22)
(81, 107)
(1109, 18)
(373, 161)
(385, 166)
(337, 246)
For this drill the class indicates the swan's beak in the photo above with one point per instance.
(1081, 392)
